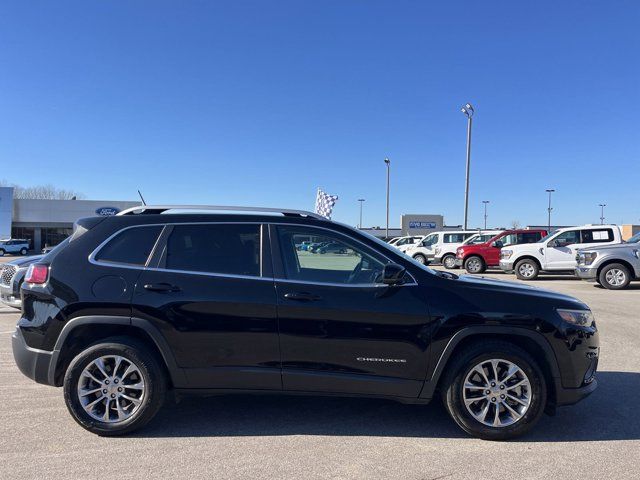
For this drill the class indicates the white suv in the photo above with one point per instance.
(403, 243)
(557, 252)
(440, 246)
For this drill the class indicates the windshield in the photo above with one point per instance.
(479, 238)
(635, 238)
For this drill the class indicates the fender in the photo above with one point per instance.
(431, 383)
(176, 373)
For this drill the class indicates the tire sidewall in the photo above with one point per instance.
(149, 369)
(445, 259)
(458, 411)
(474, 257)
(536, 269)
(420, 259)
(603, 273)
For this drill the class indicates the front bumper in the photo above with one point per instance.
(506, 265)
(570, 396)
(586, 273)
(35, 364)
(9, 297)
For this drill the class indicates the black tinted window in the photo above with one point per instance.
(529, 237)
(597, 236)
(215, 248)
(131, 246)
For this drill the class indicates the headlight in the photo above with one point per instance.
(504, 254)
(583, 318)
(586, 258)
(459, 252)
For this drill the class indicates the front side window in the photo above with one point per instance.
(131, 246)
(430, 240)
(231, 249)
(340, 260)
(567, 238)
(597, 236)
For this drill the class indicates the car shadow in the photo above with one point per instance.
(610, 413)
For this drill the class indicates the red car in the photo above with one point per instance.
(476, 258)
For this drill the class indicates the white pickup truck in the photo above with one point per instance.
(556, 253)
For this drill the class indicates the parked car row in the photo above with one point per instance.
(12, 275)
(591, 252)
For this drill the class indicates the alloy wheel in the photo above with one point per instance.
(526, 270)
(615, 277)
(449, 261)
(474, 265)
(497, 393)
(111, 389)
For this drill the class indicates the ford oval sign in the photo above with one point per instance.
(107, 211)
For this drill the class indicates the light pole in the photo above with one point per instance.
(468, 111)
(549, 191)
(485, 212)
(361, 200)
(388, 162)
(602, 205)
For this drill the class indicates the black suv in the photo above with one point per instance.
(160, 298)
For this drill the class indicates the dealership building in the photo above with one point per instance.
(48, 222)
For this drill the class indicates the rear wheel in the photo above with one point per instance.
(475, 264)
(2, 252)
(115, 387)
(614, 276)
(495, 391)
(420, 258)
(449, 261)
(23, 251)
(527, 269)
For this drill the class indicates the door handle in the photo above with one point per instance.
(302, 296)
(161, 287)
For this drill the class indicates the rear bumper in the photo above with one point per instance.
(586, 273)
(34, 363)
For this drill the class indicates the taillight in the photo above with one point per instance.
(37, 273)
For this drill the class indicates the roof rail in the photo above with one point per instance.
(156, 209)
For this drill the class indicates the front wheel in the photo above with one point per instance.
(475, 264)
(495, 391)
(420, 259)
(527, 269)
(23, 251)
(449, 261)
(2, 252)
(614, 276)
(115, 387)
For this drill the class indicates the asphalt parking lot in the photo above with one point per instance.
(274, 437)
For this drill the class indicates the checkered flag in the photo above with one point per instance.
(325, 203)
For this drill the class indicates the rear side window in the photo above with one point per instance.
(232, 249)
(131, 246)
(529, 237)
(456, 237)
(597, 236)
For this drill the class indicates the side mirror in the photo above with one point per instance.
(498, 244)
(392, 274)
(552, 243)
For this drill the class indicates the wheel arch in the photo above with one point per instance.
(81, 332)
(527, 257)
(530, 341)
(617, 260)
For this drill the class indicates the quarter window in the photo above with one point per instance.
(328, 259)
(231, 249)
(131, 246)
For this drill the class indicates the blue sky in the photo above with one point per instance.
(259, 103)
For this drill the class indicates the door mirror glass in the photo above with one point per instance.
(392, 274)
(498, 244)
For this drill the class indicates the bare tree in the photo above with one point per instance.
(42, 192)
(515, 224)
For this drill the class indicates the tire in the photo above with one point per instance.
(420, 258)
(23, 251)
(614, 276)
(449, 261)
(453, 391)
(475, 264)
(2, 252)
(527, 269)
(149, 374)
